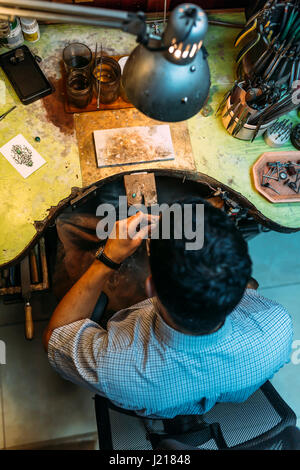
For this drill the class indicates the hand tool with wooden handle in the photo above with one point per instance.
(33, 267)
(26, 294)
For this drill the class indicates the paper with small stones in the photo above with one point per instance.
(22, 156)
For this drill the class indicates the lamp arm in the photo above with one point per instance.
(133, 23)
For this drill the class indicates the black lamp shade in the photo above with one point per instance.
(164, 90)
(171, 83)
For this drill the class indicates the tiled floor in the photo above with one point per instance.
(2, 414)
(37, 405)
(276, 260)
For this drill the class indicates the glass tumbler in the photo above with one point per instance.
(77, 56)
(110, 79)
(79, 88)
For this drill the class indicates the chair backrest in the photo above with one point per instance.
(238, 425)
(288, 439)
(263, 415)
(246, 425)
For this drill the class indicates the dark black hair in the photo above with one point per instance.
(199, 288)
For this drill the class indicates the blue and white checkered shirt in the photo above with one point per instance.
(142, 364)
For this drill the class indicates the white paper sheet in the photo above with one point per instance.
(22, 156)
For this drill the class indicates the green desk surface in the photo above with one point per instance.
(216, 153)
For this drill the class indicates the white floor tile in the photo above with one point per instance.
(1, 411)
(276, 258)
(288, 296)
(38, 404)
(287, 380)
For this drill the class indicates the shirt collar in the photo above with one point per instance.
(181, 341)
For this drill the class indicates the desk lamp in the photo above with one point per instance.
(167, 78)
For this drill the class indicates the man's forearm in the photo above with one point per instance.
(81, 299)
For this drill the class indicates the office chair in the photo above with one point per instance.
(262, 421)
(288, 439)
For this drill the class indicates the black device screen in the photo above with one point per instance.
(25, 75)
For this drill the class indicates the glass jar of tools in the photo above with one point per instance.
(30, 28)
(106, 78)
(77, 59)
(14, 38)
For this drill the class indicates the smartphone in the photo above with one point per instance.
(25, 75)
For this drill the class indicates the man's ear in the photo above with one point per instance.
(150, 289)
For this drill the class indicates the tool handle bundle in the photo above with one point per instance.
(271, 43)
(268, 83)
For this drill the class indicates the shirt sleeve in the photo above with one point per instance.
(277, 325)
(75, 352)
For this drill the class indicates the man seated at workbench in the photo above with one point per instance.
(202, 337)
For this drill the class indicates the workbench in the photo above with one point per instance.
(29, 205)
